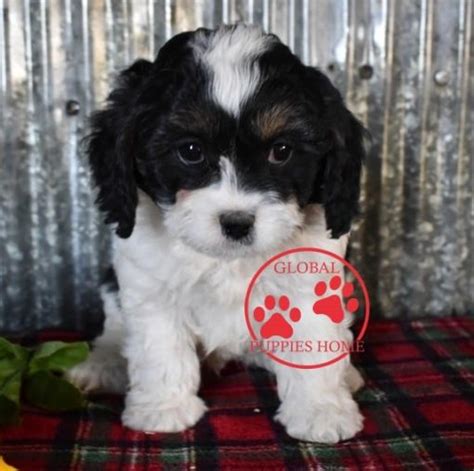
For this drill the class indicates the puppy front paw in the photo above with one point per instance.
(323, 423)
(164, 417)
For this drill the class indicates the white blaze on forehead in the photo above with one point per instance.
(228, 174)
(230, 56)
(234, 195)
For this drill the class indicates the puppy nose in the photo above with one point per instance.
(236, 225)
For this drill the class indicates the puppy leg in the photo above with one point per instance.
(164, 374)
(354, 379)
(317, 405)
(105, 369)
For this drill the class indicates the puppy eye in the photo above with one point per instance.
(190, 153)
(280, 154)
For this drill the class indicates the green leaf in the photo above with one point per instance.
(58, 356)
(45, 390)
(13, 364)
(11, 350)
(41, 387)
(10, 401)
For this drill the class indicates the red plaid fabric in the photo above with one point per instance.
(418, 405)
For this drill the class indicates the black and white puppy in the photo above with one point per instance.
(223, 151)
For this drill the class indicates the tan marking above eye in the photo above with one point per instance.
(273, 121)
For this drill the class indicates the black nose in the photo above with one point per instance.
(236, 225)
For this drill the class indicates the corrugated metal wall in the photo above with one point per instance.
(405, 67)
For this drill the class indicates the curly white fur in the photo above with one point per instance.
(174, 298)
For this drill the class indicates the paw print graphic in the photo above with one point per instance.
(276, 325)
(331, 304)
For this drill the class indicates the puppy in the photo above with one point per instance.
(222, 152)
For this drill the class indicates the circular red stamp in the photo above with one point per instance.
(299, 305)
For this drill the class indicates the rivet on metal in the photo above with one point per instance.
(366, 71)
(72, 107)
(441, 77)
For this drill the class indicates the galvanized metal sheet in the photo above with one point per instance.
(406, 70)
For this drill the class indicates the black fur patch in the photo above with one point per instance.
(157, 107)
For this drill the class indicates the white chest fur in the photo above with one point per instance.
(203, 293)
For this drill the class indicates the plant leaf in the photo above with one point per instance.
(10, 404)
(58, 356)
(45, 390)
(12, 350)
(13, 364)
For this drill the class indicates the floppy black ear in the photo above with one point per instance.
(342, 172)
(111, 150)
(338, 187)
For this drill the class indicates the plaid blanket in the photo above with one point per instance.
(418, 405)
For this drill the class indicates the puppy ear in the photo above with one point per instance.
(338, 186)
(111, 150)
(342, 172)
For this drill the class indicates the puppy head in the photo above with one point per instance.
(232, 136)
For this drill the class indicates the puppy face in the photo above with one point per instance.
(232, 136)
